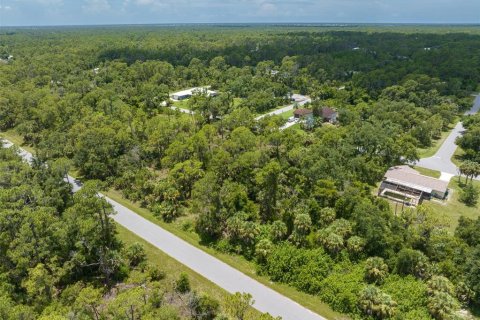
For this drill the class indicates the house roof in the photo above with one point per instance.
(404, 175)
(190, 92)
(302, 112)
(328, 112)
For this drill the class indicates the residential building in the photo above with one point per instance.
(406, 185)
(303, 114)
(329, 115)
(187, 94)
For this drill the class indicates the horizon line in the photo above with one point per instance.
(311, 24)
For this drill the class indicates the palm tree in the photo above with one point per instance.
(440, 284)
(442, 305)
(333, 243)
(376, 270)
(373, 302)
(278, 231)
(355, 245)
(470, 169)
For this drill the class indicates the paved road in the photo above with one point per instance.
(441, 160)
(302, 100)
(225, 276)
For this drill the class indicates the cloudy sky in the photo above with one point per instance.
(80, 12)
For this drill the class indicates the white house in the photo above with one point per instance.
(186, 94)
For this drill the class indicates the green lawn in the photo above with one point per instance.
(457, 157)
(287, 114)
(182, 104)
(453, 209)
(240, 263)
(430, 151)
(428, 172)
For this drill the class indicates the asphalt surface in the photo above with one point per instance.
(441, 160)
(230, 279)
(302, 101)
(223, 275)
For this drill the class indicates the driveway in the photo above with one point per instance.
(182, 110)
(441, 160)
(223, 275)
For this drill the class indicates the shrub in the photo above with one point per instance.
(469, 195)
(302, 268)
(182, 285)
(135, 254)
(340, 289)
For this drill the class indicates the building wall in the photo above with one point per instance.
(181, 97)
(438, 194)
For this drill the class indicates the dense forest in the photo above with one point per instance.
(300, 203)
(61, 257)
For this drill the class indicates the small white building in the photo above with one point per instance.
(186, 94)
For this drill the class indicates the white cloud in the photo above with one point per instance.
(50, 2)
(5, 8)
(96, 6)
(145, 2)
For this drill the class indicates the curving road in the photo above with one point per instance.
(225, 276)
(301, 100)
(441, 160)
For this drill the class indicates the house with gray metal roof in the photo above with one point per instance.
(406, 185)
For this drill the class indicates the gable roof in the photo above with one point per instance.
(407, 176)
(302, 112)
(328, 112)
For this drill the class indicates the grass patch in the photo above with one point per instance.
(183, 104)
(430, 151)
(453, 209)
(428, 172)
(458, 156)
(238, 262)
(287, 114)
(296, 126)
(16, 139)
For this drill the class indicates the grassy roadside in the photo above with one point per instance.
(309, 301)
(170, 266)
(430, 151)
(453, 209)
(173, 269)
(428, 172)
(457, 157)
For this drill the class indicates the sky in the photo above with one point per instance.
(88, 12)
